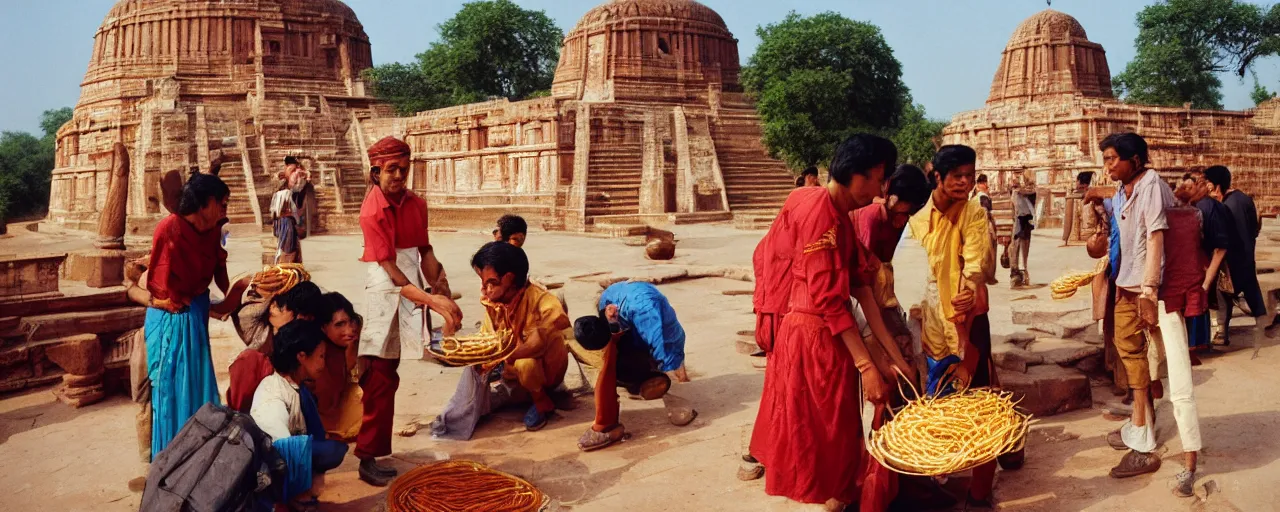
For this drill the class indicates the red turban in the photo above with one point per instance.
(388, 147)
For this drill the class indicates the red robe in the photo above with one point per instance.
(808, 433)
(183, 260)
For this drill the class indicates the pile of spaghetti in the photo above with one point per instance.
(941, 436)
(461, 486)
(479, 348)
(277, 279)
(1064, 287)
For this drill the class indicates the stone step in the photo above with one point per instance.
(59, 325)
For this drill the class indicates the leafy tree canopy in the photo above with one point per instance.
(488, 49)
(819, 79)
(1184, 44)
(26, 165)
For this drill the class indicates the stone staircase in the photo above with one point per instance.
(613, 180)
(239, 210)
(755, 183)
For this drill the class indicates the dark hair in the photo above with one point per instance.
(200, 188)
(592, 332)
(303, 299)
(1218, 175)
(810, 171)
(1085, 178)
(799, 181)
(509, 225)
(951, 157)
(504, 259)
(1127, 145)
(910, 185)
(296, 337)
(982, 178)
(331, 304)
(858, 154)
(1187, 176)
(289, 160)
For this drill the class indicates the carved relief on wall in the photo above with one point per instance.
(492, 179)
(596, 86)
(501, 136)
(466, 172)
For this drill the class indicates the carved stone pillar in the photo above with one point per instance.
(108, 258)
(652, 188)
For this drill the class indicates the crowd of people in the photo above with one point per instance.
(826, 262)
(315, 375)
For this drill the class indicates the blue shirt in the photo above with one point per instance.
(645, 312)
(1114, 238)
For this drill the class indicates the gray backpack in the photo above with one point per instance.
(219, 462)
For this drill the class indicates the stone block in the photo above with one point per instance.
(77, 355)
(1062, 351)
(29, 276)
(1011, 357)
(60, 325)
(1047, 390)
(1043, 312)
(107, 269)
(1068, 326)
(98, 299)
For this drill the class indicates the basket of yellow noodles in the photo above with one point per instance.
(460, 485)
(476, 349)
(951, 434)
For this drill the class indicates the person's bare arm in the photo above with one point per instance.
(433, 270)
(138, 295)
(874, 386)
(1151, 276)
(441, 304)
(235, 296)
(397, 277)
(221, 279)
(1211, 273)
(871, 311)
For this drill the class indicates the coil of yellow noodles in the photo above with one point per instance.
(1064, 287)
(932, 437)
(277, 279)
(479, 348)
(461, 486)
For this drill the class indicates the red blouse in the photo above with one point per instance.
(183, 260)
(388, 226)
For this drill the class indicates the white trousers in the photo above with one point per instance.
(1167, 351)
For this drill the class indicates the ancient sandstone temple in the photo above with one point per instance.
(180, 81)
(1051, 102)
(646, 121)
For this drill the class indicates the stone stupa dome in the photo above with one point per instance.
(1050, 53)
(647, 49)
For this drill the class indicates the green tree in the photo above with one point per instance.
(1260, 94)
(488, 49)
(26, 165)
(1184, 44)
(916, 136)
(819, 79)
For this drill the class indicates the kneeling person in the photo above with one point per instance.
(637, 343)
(286, 410)
(534, 317)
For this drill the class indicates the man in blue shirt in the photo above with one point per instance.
(637, 343)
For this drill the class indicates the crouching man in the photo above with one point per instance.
(637, 343)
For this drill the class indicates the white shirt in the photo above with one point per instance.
(277, 408)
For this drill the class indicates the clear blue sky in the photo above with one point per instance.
(949, 49)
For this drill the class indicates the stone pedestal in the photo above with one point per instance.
(106, 268)
(81, 357)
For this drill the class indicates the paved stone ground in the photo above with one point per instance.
(57, 458)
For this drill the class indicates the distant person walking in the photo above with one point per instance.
(1241, 275)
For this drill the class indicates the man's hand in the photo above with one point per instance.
(679, 374)
(447, 308)
(964, 301)
(874, 387)
(167, 305)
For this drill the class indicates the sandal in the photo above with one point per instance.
(592, 440)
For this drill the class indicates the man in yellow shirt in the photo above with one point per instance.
(956, 339)
(535, 318)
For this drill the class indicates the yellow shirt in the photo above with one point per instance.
(535, 310)
(960, 254)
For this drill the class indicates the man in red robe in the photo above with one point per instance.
(810, 420)
(401, 266)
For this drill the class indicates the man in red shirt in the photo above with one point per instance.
(401, 266)
(807, 435)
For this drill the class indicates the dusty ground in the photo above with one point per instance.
(57, 458)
